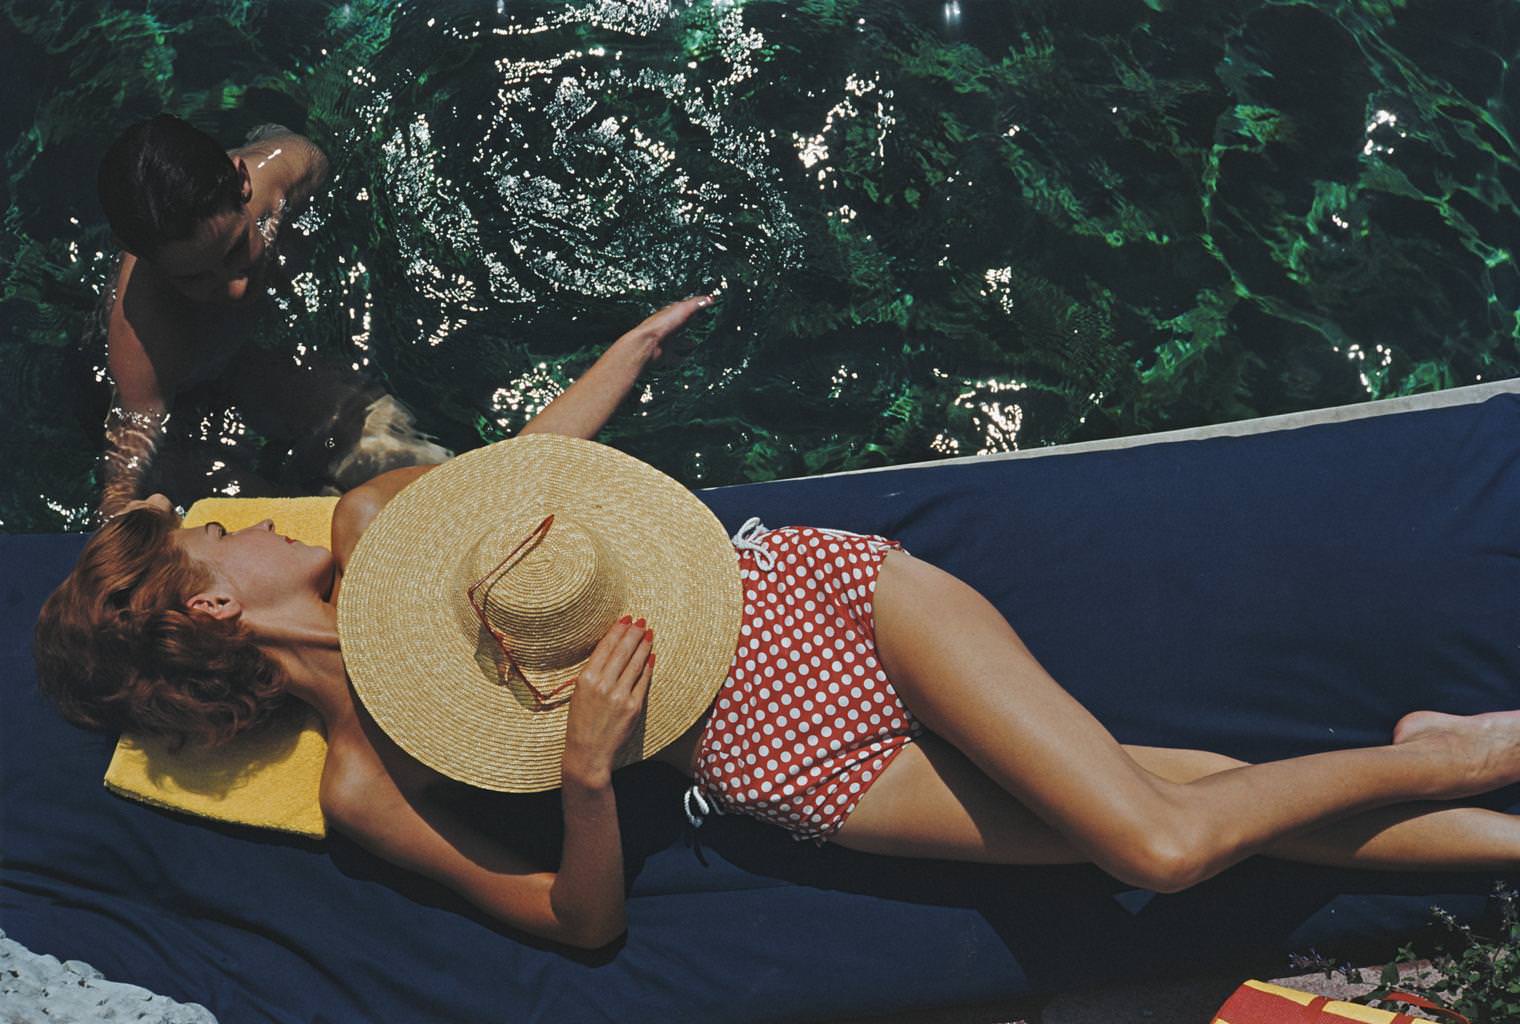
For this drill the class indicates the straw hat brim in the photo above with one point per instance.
(421, 676)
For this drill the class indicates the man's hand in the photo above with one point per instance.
(158, 501)
(131, 440)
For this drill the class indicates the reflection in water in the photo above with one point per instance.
(933, 229)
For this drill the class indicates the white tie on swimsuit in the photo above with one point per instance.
(746, 538)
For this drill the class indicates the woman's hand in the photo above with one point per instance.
(584, 407)
(650, 335)
(608, 699)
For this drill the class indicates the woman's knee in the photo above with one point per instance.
(1160, 857)
(1158, 866)
(964, 672)
(1170, 844)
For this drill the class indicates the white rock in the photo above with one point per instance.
(36, 989)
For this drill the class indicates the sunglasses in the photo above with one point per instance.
(489, 580)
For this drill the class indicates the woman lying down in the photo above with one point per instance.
(539, 612)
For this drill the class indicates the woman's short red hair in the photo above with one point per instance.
(118, 648)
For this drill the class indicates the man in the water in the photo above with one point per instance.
(200, 226)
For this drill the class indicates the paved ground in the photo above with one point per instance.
(1190, 1001)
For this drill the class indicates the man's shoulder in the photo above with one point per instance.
(271, 139)
(143, 299)
(290, 163)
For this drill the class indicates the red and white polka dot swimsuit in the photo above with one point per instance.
(807, 719)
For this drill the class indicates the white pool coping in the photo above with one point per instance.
(1468, 395)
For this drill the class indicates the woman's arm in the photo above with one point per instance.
(585, 406)
(581, 904)
(415, 833)
(581, 411)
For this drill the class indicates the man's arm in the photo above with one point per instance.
(146, 354)
(132, 439)
(585, 406)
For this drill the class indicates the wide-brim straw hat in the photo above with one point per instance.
(625, 539)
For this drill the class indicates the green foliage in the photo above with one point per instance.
(1383, 9)
(1473, 972)
(1263, 124)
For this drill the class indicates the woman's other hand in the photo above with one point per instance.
(650, 336)
(585, 406)
(608, 699)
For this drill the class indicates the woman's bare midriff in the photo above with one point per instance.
(682, 752)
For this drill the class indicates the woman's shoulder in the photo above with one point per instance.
(359, 506)
(351, 515)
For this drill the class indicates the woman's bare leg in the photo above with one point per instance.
(933, 802)
(965, 673)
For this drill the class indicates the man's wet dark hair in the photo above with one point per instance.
(160, 178)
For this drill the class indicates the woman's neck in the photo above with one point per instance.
(306, 648)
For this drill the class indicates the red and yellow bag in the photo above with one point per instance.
(1258, 1002)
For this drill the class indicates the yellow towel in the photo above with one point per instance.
(268, 780)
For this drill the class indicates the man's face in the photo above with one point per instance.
(221, 260)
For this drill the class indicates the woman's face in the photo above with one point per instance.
(262, 569)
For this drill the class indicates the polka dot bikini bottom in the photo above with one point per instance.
(807, 719)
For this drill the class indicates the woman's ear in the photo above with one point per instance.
(215, 604)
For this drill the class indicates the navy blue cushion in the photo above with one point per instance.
(1262, 596)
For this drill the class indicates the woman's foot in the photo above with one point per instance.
(1484, 749)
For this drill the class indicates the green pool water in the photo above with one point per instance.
(935, 228)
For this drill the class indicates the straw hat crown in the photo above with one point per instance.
(552, 601)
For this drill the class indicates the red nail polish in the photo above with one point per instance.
(648, 634)
(640, 623)
(651, 659)
(626, 619)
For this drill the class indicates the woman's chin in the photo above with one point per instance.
(323, 570)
